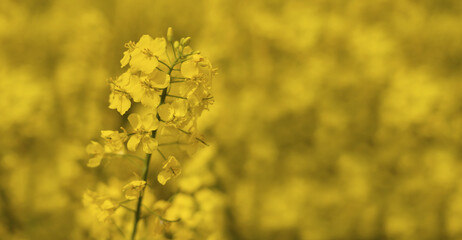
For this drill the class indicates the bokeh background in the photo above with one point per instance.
(332, 119)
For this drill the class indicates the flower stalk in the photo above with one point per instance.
(172, 111)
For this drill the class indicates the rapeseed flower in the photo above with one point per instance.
(171, 169)
(143, 129)
(145, 56)
(134, 189)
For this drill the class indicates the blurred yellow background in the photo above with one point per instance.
(332, 119)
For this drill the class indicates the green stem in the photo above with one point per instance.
(140, 199)
(161, 154)
(168, 95)
(164, 63)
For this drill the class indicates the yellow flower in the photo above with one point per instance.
(143, 128)
(103, 207)
(126, 59)
(107, 209)
(97, 151)
(171, 168)
(134, 189)
(114, 139)
(145, 91)
(180, 107)
(126, 79)
(144, 56)
(190, 68)
(188, 88)
(165, 112)
(119, 98)
(170, 111)
(119, 101)
(159, 79)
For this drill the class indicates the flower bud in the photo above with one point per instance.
(186, 41)
(169, 34)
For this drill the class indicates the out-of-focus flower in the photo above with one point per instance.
(114, 139)
(134, 189)
(103, 207)
(171, 169)
(96, 150)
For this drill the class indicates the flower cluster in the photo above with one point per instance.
(166, 86)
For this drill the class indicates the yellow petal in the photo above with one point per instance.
(150, 98)
(180, 107)
(95, 161)
(187, 50)
(124, 61)
(172, 162)
(109, 205)
(150, 122)
(187, 89)
(124, 105)
(124, 78)
(107, 133)
(136, 91)
(171, 168)
(141, 61)
(114, 100)
(144, 41)
(165, 112)
(189, 68)
(164, 176)
(159, 79)
(95, 148)
(135, 121)
(197, 58)
(133, 142)
(134, 189)
(157, 46)
(149, 144)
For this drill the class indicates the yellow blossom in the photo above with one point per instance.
(103, 207)
(107, 209)
(119, 98)
(134, 189)
(126, 79)
(190, 68)
(180, 107)
(146, 92)
(114, 139)
(188, 88)
(97, 151)
(126, 59)
(159, 79)
(165, 112)
(144, 56)
(143, 128)
(171, 168)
